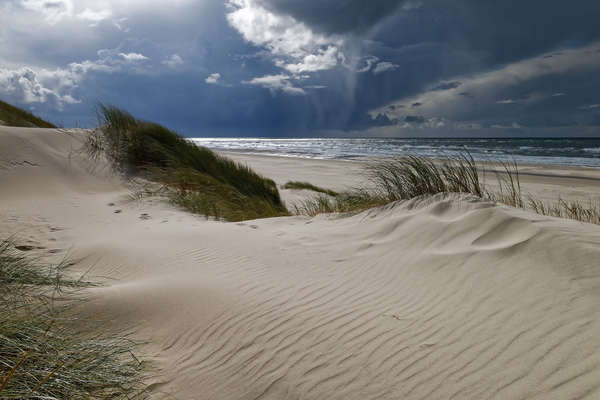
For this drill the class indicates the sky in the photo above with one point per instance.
(290, 68)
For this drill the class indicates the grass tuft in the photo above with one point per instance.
(46, 352)
(413, 176)
(509, 185)
(196, 178)
(346, 202)
(296, 185)
(409, 177)
(567, 209)
(14, 116)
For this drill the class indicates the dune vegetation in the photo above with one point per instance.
(346, 202)
(410, 177)
(296, 185)
(404, 178)
(14, 116)
(193, 177)
(584, 212)
(46, 351)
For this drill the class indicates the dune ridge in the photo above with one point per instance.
(447, 297)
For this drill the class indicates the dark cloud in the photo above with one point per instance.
(500, 31)
(432, 45)
(415, 118)
(447, 85)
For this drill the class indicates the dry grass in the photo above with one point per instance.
(46, 351)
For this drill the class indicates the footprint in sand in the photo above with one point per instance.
(28, 247)
(145, 216)
(118, 211)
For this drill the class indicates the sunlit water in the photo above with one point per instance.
(572, 152)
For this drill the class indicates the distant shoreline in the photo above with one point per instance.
(366, 159)
(578, 153)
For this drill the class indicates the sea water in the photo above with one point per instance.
(570, 152)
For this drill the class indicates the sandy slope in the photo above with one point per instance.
(448, 298)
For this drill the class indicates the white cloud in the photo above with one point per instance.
(274, 83)
(482, 91)
(322, 60)
(373, 64)
(53, 11)
(94, 16)
(133, 57)
(384, 66)
(55, 86)
(28, 86)
(120, 24)
(294, 45)
(173, 61)
(369, 62)
(213, 79)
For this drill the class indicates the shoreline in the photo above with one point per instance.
(366, 159)
(574, 152)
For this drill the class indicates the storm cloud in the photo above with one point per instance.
(295, 68)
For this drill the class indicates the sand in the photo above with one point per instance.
(444, 298)
(544, 182)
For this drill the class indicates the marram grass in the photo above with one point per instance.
(297, 185)
(46, 351)
(579, 211)
(409, 177)
(14, 116)
(346, 202)
(401, 179)
(413, 176)
(195, 177)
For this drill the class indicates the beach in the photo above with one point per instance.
(446, 297)
(546, 182)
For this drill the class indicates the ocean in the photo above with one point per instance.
(569, 152)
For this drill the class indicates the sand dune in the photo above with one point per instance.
(443, 298)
